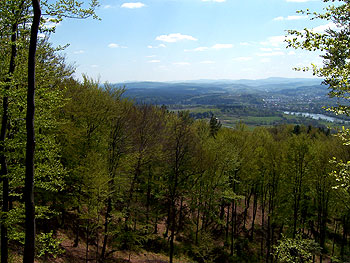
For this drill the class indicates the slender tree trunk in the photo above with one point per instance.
(87, 243)
(97, 239)
(335, 233)
(168, 221)
(172, 230)
(222, 209)
(173, 211)
(268, 238)
(255, 208)
(156, 224)
(148, 200)
(204, 217)
(227, 221)
(76, 230)
(343, 242)
(179, 228)
(263, 197)
(247, 204)
(235, 228)
(29, 247)
(107, 218)
(232, 228)
(197, 222)
(131, 191)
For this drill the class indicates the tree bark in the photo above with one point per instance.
(29, 247)
(107, 219)
(255, 208)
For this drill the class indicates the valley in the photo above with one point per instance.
(262, 102)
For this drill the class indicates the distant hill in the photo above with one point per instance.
(210, 92)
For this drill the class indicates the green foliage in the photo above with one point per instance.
(128, 239)
(48, 245)
(215, 125)
(204, 251)
(333, 44)
(296, 250)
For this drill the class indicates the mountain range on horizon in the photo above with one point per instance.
(222, 91)
(270, 80)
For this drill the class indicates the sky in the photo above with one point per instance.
(175, 40)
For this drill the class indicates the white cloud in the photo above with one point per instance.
(79, 51)
(171, 38)
(222, 46)
(113, 45)
(291, 53)
(159, 46)
(94, 66)
(207, 62)
(216, 47)
(281, 18)
(107, 6)
(296, 17)
(242, 59)
(181, 63)
(275, 41)
(154, 61)
(151, 56)
(133, 5)
(323, 28)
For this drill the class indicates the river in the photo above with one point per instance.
(316, 116)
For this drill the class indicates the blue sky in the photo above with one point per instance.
(172, 40)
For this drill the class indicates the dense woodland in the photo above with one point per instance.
(120, 176)
(113, 175)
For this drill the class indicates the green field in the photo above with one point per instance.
(249, 117)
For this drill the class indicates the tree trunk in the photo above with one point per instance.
(87, 242)
(232, 228)
(197, 223)
(247, 204)
(29, 247)
(343, 242)
(180, 215)
(262, 223)
(107, 218)
(255, 208)
(148, 200)
(172, 230)
(227, 222)
(156, 224)
(335, 233)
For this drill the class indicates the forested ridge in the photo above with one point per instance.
(118, 176)
(114, 178)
